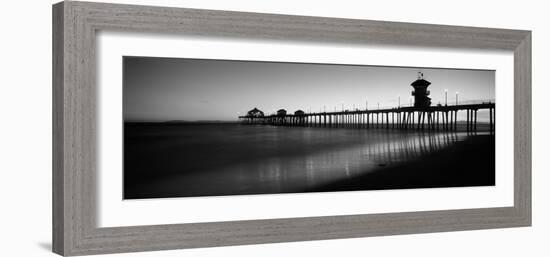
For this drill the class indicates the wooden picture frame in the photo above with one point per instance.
(74, 127)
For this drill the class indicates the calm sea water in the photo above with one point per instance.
(178, 160)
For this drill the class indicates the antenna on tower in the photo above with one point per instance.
(420, 75)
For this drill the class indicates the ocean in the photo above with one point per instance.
(218, 159)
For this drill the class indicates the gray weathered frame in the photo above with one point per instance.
(74, 108)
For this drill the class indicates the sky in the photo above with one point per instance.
(164, 89)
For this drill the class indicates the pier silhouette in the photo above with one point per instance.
(421, 115)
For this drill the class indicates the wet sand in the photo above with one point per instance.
(437, 169)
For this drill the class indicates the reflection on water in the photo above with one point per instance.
(317, 157)
(298, 173)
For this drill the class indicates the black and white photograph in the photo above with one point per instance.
(146, 128)
(208, 127)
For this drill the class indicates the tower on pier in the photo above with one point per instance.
(421, 91)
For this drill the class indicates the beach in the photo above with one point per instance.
(217, 159)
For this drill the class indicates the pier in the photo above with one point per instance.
(421, 115)
(426, 118)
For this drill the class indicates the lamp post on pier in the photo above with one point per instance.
(456, 98)
(446, 91)
(398, 101)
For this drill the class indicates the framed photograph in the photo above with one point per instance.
(183, 128)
